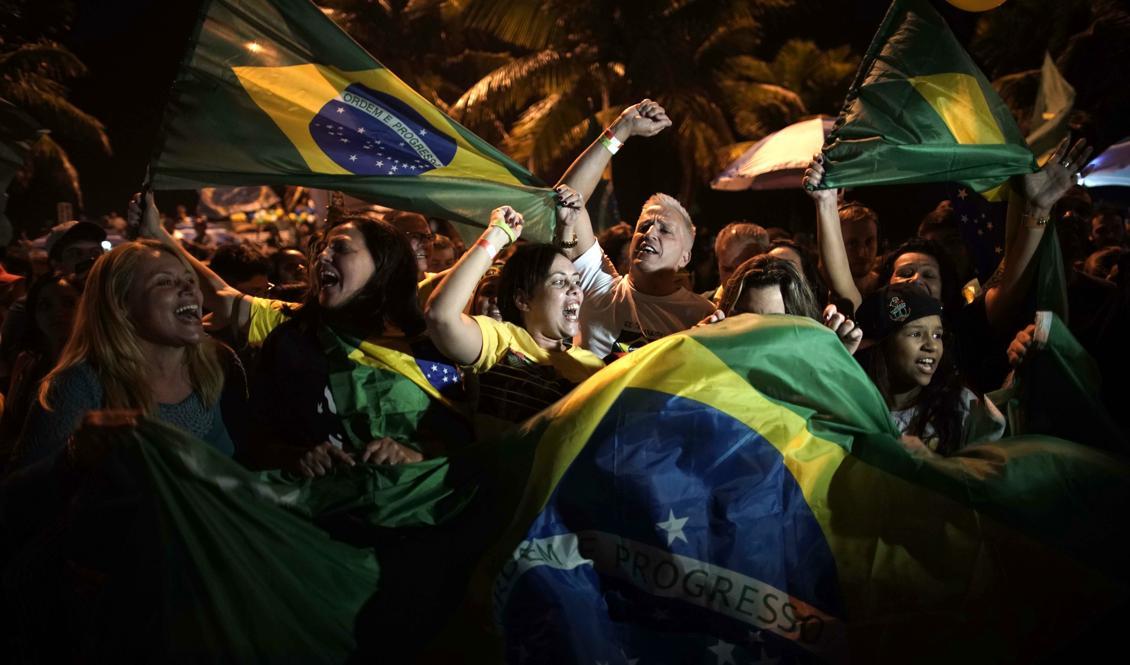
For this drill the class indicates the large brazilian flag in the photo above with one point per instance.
(716, 497)
(920, 110)
(273, 92)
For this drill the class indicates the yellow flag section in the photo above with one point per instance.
(923, 577)
(959, 101)
(293, 96)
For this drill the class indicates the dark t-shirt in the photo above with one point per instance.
(290, 398)
(292, 404)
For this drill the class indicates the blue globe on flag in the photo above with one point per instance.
(368, 132)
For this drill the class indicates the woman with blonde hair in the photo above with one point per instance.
(138, 343)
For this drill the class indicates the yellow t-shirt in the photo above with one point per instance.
(266, 315)
(501, 339)
(517, 378)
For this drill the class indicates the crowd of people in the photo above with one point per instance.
(243, 345)
(223, 338)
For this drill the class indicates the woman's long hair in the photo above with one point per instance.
(939, 402)
(767, 270)
(105, 337)
(388, 298)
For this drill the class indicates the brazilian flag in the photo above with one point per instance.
(920, 110)
(273, 92)
(715, 497)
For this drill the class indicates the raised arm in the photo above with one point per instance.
(220, 298)
(646, 118)
(574, 227)
(1041, 190)
(453, 332)
(829, 235)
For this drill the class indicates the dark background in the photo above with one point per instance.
(133, 49)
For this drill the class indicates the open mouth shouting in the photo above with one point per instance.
(645, 248)
(926, 364)
(572, 311)
(188, 313)
(328, 277)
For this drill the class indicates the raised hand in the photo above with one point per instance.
(505, 216)
(141, 214)
(1018, 348)
(569, 204)
(1044, 187)
(646, 118)
(813, 176)
(850, 334)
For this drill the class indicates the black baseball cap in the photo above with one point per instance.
(892, 307)
(64, 234)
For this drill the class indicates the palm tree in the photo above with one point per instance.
(577, 64)
(418, 40)
(801, 79)
(32, 78)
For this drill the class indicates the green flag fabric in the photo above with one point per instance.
(920, 110)
(1057, 391)
(273, 92)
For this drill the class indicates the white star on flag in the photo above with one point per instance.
(423, 132)
(380, 163)
(724, 652)
(341, 109)
(961, 193)
(360, 130)
(353, 158)
(674, 527)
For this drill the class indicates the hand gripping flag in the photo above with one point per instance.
(920, 110)
(273, 92)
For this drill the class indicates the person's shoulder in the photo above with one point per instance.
(79, 382)
(585, 357)
(691, 299)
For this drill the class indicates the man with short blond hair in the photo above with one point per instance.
(622, 313)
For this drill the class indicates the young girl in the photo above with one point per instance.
(905, 356)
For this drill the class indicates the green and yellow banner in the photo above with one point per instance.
(920, 110)
(276, 93)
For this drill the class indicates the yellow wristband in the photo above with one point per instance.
(510, 235)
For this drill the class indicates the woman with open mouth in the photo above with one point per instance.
(527, 361)
(137, 343)
(346, 377)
